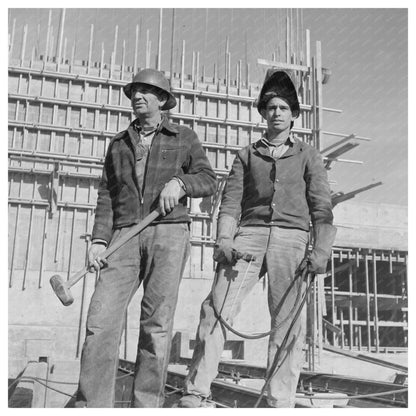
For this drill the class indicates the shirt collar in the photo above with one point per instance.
(288, 141)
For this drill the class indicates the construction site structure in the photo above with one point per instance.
(63, 112)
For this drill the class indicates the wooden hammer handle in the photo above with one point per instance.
(136, 229)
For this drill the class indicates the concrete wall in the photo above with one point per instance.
(368, 225)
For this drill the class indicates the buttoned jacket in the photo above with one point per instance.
(175, 151)
(288, 192)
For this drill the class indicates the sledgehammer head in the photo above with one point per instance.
(61, 289)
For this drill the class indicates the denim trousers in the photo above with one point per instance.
(278, 252)
(155, 258)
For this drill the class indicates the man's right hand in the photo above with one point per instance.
(224, 254)
(95, 262)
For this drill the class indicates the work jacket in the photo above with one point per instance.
(288, 192)
(175, 151)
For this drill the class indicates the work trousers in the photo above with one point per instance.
(156, 257)
(279, 251)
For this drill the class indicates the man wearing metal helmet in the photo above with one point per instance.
(276, 186)
(151, 164)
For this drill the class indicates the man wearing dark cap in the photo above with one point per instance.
(152, 164)
(276, 187)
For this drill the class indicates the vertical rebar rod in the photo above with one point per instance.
(11, 43)
(196, 81)
(42, 254)
(376, 326)
(48, 33)
(102, 60)
(14, 246)
(84, 285)
(58, 230)
(159, 43)
(136, 49)
(172, 45)
(23, 50)
(193, 67)
(65, 50)
(28, 246)
(90, 48)
(319, 94)
(59, 43)
(182, 65)
(115, 44)
(367, 295)
(350, 309)
(333, 311)
(287, 38)
(71, 243)
(123, 58)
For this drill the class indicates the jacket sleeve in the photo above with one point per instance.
(318, 193)
(103, 223)
(234, 189)
(198, 177)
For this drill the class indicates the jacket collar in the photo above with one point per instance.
(165, 124)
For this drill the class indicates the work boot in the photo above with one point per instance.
(191, 400)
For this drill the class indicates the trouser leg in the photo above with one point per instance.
(230, 287)
(285, 252)
(166, 251)
(105, 319)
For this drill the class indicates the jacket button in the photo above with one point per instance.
(277, 180)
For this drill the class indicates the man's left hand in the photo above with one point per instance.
(169, 197)
(316, 262)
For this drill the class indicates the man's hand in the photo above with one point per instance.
(316, 262)
(224, 253)
(94, 261)
(169, 197)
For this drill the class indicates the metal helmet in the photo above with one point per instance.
(282, 83)
(156, 79)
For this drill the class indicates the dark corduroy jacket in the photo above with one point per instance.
(288, 192)
(175, 151)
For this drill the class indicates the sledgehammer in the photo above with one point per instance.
(62, 288)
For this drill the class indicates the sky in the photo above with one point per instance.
(365, 49)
